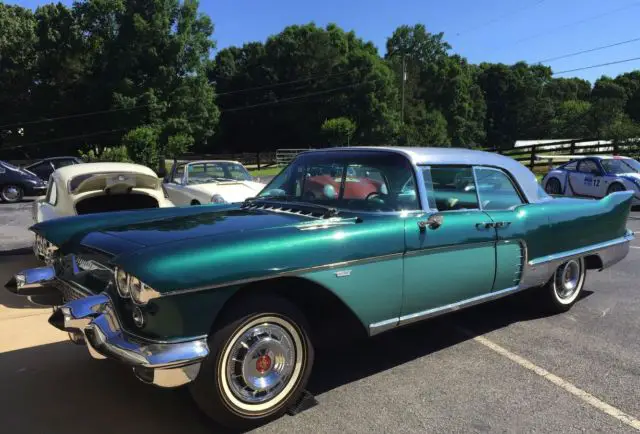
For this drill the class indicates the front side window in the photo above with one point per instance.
(354, 180)
(495, 189)
(619, 166)
(570, 166)
(588, 166)
(450, 188)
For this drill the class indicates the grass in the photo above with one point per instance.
(267, 171)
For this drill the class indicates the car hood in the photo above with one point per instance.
(206, 224)
(157, 226)
(231, 191)
(630, 176)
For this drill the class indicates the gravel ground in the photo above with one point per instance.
(15, 219)
(436, 376)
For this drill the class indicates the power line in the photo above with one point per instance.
(597, 66)
(501, 17)
(77, 115)
(284, 83)
(575, 23)
(61, 139)
(86, 114)
(322, 92)
(577, 53)
(280, 101)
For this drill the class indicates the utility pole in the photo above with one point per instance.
(404, 78)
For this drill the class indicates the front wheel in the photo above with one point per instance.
(564, 287)
(616, 186)
(11, 193)
(259, 362)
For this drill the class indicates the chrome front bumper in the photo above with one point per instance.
(92, 319)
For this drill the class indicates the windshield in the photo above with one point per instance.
(354, 180)
(201, 173)
(615, 166)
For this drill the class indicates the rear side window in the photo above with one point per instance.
(495, 189)
(450, 188)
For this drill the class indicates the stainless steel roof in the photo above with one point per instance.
(425, 156)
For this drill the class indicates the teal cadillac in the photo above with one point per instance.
(231, 298)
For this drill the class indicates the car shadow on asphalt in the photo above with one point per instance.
(345, 363)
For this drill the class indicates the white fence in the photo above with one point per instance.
(284, 156)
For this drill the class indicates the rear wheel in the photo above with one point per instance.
(565, 285)
(11, 193)
(259, 362)
(553, 186)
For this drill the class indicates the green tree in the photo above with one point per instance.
(338, 130)
(17, 63)
(572, 120)
(142, 145)
(297, 79)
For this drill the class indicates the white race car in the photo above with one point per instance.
(595, 177)
(99, 187)
(209, 181)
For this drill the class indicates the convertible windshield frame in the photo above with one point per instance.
(224, 165)
(347, 158)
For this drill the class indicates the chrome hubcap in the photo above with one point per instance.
(11, 193)
(567, 278)
(261, 363)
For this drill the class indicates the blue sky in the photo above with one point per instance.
(481, 30)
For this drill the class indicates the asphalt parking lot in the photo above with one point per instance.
(499, 367)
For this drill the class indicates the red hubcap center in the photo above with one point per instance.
(263, 364)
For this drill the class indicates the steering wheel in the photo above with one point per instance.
(373, 194)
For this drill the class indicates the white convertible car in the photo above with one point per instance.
(595, 177)
(99, 187)
(210, 181)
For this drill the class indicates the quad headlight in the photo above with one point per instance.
(131, 287)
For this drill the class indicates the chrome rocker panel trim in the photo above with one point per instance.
(536, 273)
(162, 364)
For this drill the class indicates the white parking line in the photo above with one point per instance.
(579, 393)
(635, 247)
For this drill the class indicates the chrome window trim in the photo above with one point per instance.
(435, 210)
(417, 180)
(514, 184)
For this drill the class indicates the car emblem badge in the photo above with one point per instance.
(343, 273)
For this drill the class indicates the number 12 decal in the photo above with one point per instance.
(592, 182)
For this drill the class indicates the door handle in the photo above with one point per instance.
(433, 222)
(485, 225)
(501, 224)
